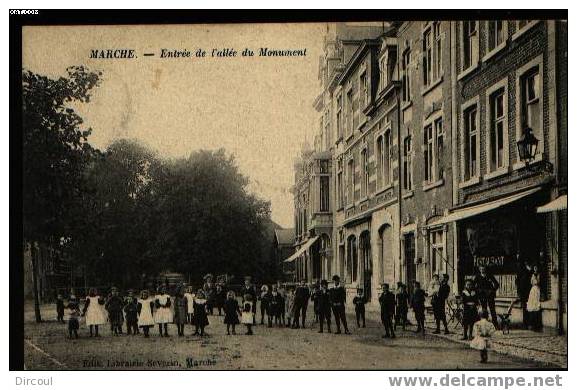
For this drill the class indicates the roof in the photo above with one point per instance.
(285, 236)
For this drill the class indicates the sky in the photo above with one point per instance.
(258, 108)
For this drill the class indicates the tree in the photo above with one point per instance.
(55, 152)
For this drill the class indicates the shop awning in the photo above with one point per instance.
(558, 204)
(484, 207)
(302, 249)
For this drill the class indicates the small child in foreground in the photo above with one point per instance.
(247, 313)
(73, 317)
(483, 330)
(60, 309)
(231, 312)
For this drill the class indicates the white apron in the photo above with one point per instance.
(163, 315)
(95, 314)
(145, 317)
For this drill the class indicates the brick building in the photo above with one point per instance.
(418, 127)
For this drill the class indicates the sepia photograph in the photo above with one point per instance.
(379, 194)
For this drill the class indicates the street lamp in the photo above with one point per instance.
(527, 145)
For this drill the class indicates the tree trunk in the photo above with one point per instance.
(34, 255)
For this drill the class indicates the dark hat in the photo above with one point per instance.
(248, 277)
(324, 282)
(336, 277)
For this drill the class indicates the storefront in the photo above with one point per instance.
(507, 236)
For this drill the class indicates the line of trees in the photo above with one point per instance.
(125, 213)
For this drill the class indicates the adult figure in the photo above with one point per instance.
(486, 287)
(534, 301)
(338, 297)
(523, 282)
(283, 293)
(324, 305)
(438, 303)
(302, 296)
(250, 289)
(209, 292)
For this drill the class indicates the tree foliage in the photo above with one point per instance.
(55, 150)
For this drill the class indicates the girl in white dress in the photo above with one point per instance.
(189, 295)
(163, 315)
(94, 312)
(247, 317)
(534, 300)
(145, 307)
(483, 330)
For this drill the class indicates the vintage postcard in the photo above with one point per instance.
(329, 195)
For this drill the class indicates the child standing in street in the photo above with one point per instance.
(163, 315)
(276, 306)
(359, 301)
(418, 305)
(189, 295)
(483, 331)
(200, 313)
(131, 313)
(94, 312)
(180, 310)
(114, 306)
(60, 308)
(145, 307)
(402, 307)
(290, 306)
(73, 317)
(470, 309)
(247, 313)
(387, 301)
(231, 312)
(264, 301)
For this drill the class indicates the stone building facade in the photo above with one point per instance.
(418, 129)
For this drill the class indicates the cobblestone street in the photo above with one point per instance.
(46, 347)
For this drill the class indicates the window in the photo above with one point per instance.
(496, 31)
(350, 181)
(324, 193)
(407, 163)
(349, 119)
(497, 130)
(432, 53)
(327, 130)
(436, 251)
(384, 159)
(406, 77)
(355, 106)
(471, 136)
(365, 169)
(470, 44)
(437, 52)
(433, 139)
(352, 260)
(340, 195)
(339, 117)
(427, 58)
(364, 90)
(530, 103)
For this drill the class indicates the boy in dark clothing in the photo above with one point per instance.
(131, 313)
(418, 305)
(275, 307)
(324, 306)
(73, 315)
(438, 303)
(470, 307)
(338, 297)
(359, 301)
(60, 309)
(402, 309)
(114, 307)
(302, 296)
(387, 301)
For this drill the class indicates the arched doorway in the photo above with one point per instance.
(386, 254)
(352, 260)
(325, 252)
(366, 263)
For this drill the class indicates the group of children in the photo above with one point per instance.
(277, 306)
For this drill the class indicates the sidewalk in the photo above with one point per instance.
(545, 347)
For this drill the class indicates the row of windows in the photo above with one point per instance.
(530, 115)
